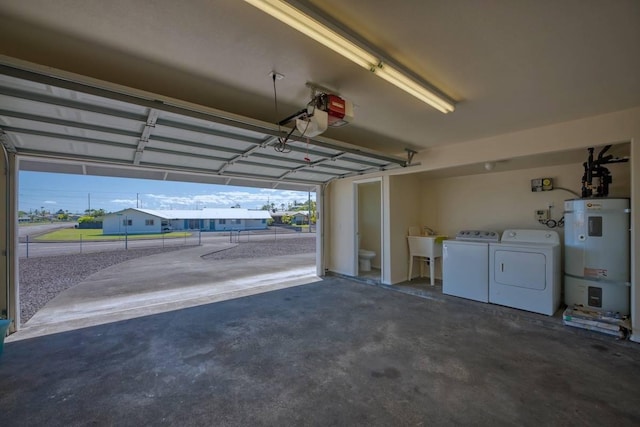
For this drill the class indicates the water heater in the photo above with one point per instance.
(597, 265)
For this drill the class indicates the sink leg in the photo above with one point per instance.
(432, 271)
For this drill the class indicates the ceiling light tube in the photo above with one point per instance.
(320, 33)
(403, 82)
(291, 16)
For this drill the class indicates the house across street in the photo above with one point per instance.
(140, 221)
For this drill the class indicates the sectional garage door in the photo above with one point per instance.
(58, 125)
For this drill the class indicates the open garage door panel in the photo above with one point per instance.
(68, 127)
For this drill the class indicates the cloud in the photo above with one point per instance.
(223, 199)
(128, 202)
(50, 202)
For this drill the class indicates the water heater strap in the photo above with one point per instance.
(599, 280)
(597, 211)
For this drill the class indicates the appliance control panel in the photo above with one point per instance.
(478, 236)
(531, 236)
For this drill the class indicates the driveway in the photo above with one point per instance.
(165, 282)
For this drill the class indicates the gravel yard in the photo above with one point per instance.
(43, 278)
(266, 249)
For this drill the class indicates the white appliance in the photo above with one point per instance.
(524, 271)
(597, 273)
(465, 264)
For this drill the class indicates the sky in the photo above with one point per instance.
(75, 193)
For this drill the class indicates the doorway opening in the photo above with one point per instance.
(368, 221)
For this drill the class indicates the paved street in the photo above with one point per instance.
(62, 248)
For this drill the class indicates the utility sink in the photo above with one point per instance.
(428, 248)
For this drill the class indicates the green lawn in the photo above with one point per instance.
(75, 234)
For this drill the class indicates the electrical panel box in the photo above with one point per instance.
(542, 214)
(542, 184)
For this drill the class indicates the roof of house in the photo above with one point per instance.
(207, 213)
(290, 213)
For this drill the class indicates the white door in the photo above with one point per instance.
(520, 269)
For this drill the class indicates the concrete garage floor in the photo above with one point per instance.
(334, 352)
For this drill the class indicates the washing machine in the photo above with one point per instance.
(524, 271)
(465, 264)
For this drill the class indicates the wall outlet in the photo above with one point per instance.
(542, 214)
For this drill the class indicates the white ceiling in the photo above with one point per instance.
(511, 65)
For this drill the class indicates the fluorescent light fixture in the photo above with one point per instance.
(312, 28)
(291, 16)
(398, 79)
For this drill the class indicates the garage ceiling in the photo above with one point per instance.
(510, 65)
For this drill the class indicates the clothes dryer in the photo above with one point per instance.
(524, 271)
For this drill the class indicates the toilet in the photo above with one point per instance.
(365, 257)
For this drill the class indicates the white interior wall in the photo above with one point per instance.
(501, 200)
(340, 227)
(404, 211)
(401, 195)
(623, 126)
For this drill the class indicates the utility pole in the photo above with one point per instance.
(89, 198)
